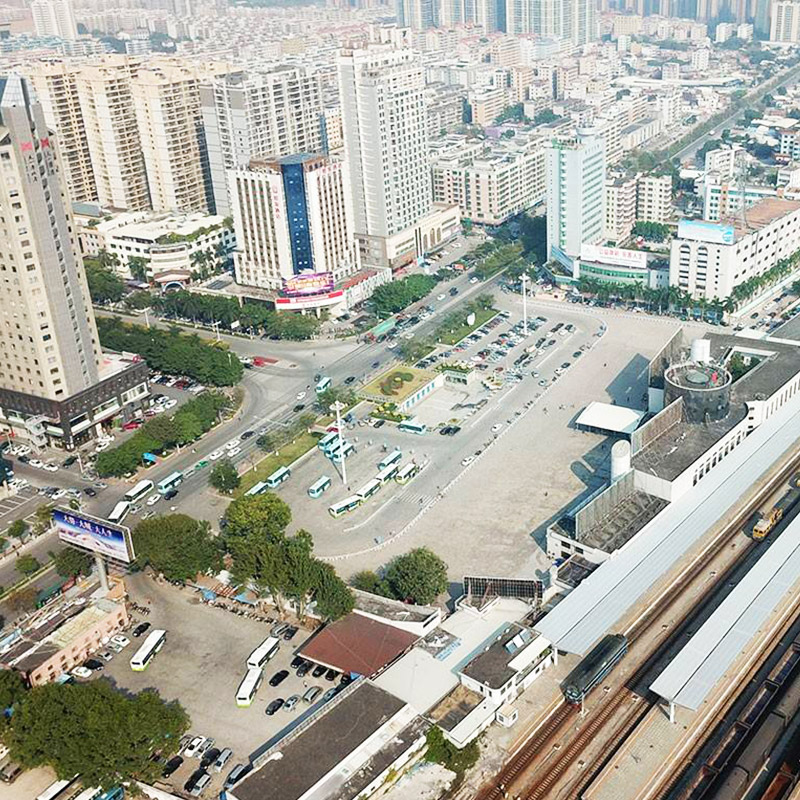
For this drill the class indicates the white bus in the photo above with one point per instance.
(369, 489)
(340, 455)
(259, 488)
(152, 644)
(249, 686)
(406, 473)
(263, 653)
(412, 426)
(140, 490)
(170, 482)
(392, 458)
(324, 384)
(61, 789)
(119, 512)
(387, 473)
(337, 509)
(319, 487)
(328, 441)
(278, 477)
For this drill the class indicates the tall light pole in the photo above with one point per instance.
(337, 407)
(524, 280)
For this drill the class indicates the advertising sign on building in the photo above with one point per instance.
(614, 255)
(96, 535)
(310, 301)
(700, 231)
(308, 283)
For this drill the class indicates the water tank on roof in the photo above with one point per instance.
(620, 459)
(701, 351)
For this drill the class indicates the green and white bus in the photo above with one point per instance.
(152, 644)
(369, 489)
(328, 441)
(258, 488)
(323, 385)
(387, 473)
(342, 453)
(393, 458)
(278, 477)
(316, 489)
(338, 509)
(249, 686)
(170, 482)
(412, 426)
(407, 472)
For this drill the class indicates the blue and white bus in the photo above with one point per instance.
(323, 385)
(249, 686)
(317, 488)
(392, 458)
(170, 482)
(152, 644)
(412, 426)
(327, 441)
(369, 489)
(407, 473)
(340, 455)
(258, 488)
(337, 509)
(278, 477)
(387, 473)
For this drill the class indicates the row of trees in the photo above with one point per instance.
(107, 736)
(392, 297)
(652, 231)
(172, 352)
(757, 283)
(419, 576)
(188, 423)
(456, 319)
(105, 285)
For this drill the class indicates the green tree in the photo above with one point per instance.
(27, 564)
(411, 350)
(390, 298)
(333, 598)
(369, 581)
(137, 266)
(419, 576)
(12, 691)
(22, 600)
(17, 529)
(265, 516)
(224, 476)
(177, 546)
(105, 286)
(442, 751)
(139, 300)
(92, 729)
(652, 231)
(70, 563)
(545, 117)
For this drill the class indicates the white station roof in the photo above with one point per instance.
(605, 417)
(700, 665)
(602, 599)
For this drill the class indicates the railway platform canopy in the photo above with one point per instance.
(734, 624)
(601, 601)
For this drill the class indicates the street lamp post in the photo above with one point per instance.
(524, 280)
(337, 407)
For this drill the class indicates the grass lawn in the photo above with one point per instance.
(465, 330)
(286, 455)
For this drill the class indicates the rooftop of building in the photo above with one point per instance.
(575, 569)
(760, 215)
(493, 666)
(389, 609)
(455, 707)
(307, 755)
(150, 226)
(683, 443)
(113, 363)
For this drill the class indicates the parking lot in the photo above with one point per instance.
(206, 683)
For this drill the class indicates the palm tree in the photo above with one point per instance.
(107, 260)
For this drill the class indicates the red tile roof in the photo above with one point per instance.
(357, 644)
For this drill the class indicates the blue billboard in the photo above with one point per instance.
(96, 535)
(700, 231)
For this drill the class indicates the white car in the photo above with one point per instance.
(441, 296)
(122, 641)
(231, 444)
(34, 462)
(81, 672)
(50, 467)
(153, 499)
(496, 427)
(234, 451)
(215, 455)
(465, 462)
(473, 279)
(301, 395)
(170, 404)
(102, 446)
(197, 746)
(157, 409)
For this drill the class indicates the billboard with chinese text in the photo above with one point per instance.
(96, 535)
(308, 283)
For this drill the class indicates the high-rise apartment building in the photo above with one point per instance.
(785, 21)
(383, 116)
(419, 15)
(51, 382)
(109, 118)
(291, 217)
(54, 18)
(166, 99)
(654, 198)
(249, 115)
(620, 208)
(56, 90)
(576, 177)
(574, 20)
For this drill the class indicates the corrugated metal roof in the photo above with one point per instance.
(596, 606)
(699, 666)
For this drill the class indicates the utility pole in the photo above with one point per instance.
(524, 280)
(147, 319)
(337, 407)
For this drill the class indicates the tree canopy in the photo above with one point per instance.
(652, 231)
(177, 546)
(93, 729)
(105, 286)
(70, 563)
(419, 576)
(224, 476)
(389, 298)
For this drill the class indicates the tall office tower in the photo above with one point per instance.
(291, 216)
(106, 101)
(250, 115)
(576, 178)
(54, 18)
(166, 98)
(762, 17)
(52, 386)
(785, 21)
(384, 122)
(419, 15)
(56, 90)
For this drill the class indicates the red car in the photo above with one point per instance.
(131, 426)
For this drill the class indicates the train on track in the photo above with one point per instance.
(766, 523)
(603, 657)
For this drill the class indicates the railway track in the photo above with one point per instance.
(548, 775)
